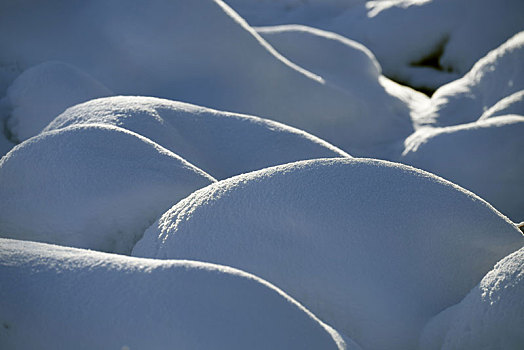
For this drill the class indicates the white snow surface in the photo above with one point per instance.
(351, 67)
(220, 143)
(498, 75)
(512, 104)
(491, 316)
(90, 186)
(403, 32)
(371, 247)
(64, 298)
(44, 91)
(486, 157)
(199, 52)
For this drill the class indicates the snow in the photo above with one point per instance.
(44, 91)
(489, 317)
(222, 144)
(512, 104)
(484, 156)
(351, 67)
(124, 109)
(496, 76)
(65, 298)
(90, 186)
(402, 33)
(371, 247)
(163, 49)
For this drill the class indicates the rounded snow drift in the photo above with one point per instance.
(220, 143)
(485, 157)
(490, 316)
(64, 298)
(90, 186)
(371, 247)
(44, 91)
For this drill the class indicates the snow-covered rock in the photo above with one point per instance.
(491, 316)
(64, 298)
(220, 143)
(371, 247)
(44, 91)
(496, 76)
(425, 43)
(486, 157)
(90, 186)
(196, 51)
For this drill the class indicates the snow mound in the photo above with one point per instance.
(331, 56)
(351, 67)
(496, 76)
(371, 247)
(165, 49)
(485, 157)
(44, 91)
(92, 186)
(424, 43)
(222, 144)
(512, 104)
(490, 316)
(64, 298)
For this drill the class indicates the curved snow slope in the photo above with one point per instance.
(44, 91)
(486, 157)
(64, 298)
(454, 34)
(331, 56)
(196, 51)
(371, 247)
(496, 76)
(90, 186)
(350, 66)
(489, 317)
(220, 143)
(512, 104)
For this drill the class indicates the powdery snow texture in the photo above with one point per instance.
(90, 186)
(220, 143)
(63, 298)
(491, 316)
(373, 248)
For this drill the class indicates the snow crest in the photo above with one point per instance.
(90, 186)
(371, 247)
(220, 143)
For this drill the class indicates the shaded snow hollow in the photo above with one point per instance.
(65, 298)
(371, 247)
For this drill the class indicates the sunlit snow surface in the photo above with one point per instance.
(111, 113)
(366, 245)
